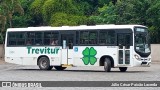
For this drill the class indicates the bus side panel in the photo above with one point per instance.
(29, 55)
(55, 58)
(131, 56)
(14, 55)
(90, 55)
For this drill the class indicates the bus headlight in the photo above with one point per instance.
(149, 59)
(137, 57)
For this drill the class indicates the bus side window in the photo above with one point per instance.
(38, 42)
(38, 38)
(54, 42)
(70, 44)
(30, 38)
(127, 41)
(102, 37)
(28, 42)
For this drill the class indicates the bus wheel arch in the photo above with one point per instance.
(123, 69)
(45, 59)
(59, 68)
(102, 60)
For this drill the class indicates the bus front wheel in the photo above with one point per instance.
(123, 69)
(59, 67)
(107, 65)
(44, 64)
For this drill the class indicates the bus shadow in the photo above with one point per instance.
(80, 71)
(103, 71)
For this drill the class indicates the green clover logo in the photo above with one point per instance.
(89, 56)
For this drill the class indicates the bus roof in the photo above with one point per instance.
(81, 27)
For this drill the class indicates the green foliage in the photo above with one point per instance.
(11, 7)
(22, 21)
(80, 12)
(106, 15)
(52, 6)
(124, 12)
(35, 10)
(7, 9)
(36, 7)
(145, 12)
(153, 21)
(60, 19)
(84, 8)
(26, 19)
(103, 2)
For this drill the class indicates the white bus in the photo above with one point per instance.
(111, 46)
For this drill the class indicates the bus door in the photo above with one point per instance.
(124, 43)
(67, 42)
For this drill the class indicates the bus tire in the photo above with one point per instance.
(59, 68)
(44, 63)
(107, 65)
(123, 69)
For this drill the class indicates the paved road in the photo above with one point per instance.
(12, 72)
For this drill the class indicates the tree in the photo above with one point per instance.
(35, 10)
(107, 15)
(153, 21)
(2, 22)
(27, 19)
(124, 12)
(3, 18)
(9, 7)
(51, 7)
(60, 19)
(144, 12)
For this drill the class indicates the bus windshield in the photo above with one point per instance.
(142, 45)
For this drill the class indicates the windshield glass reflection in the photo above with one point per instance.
(142, 45)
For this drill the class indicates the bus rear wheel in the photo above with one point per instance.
(123, 69)
(44, 63)
(107, 65)
(59, 67)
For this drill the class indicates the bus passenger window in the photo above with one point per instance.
(70, 44)
(54, 42)
(28, 42)
(38, 42)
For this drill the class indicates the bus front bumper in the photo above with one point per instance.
(142, 63)
(145, 64)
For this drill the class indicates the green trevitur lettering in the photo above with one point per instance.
(46, 50)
